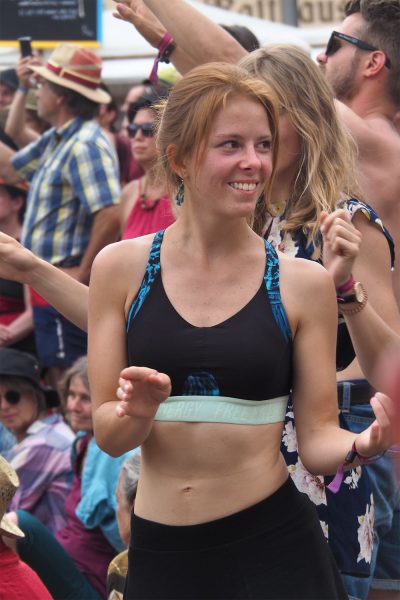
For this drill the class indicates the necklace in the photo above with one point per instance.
(146, 203)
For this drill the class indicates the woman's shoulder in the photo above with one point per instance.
(305, 279)
(131, 253)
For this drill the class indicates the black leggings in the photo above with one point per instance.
(272, 550)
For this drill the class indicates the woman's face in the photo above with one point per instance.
(79, 406)
(143, 143)
(289, 155)
(18, 410)
(236, 162)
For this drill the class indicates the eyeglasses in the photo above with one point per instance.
(147, 129)
(11, 396)
(333, 46)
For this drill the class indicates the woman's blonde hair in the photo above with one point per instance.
(187, 116)
(328, 152)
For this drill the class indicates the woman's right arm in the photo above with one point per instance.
(63, 292)
(198, 39)
(121, 422)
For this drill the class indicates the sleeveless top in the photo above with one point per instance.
(142, 222)
(347, 518)
(238, 371)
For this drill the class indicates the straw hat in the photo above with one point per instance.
(75, 68)
(9, 483)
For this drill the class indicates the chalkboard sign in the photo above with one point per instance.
(49, 22)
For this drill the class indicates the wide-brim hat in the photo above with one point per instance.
(75, 68)
(9, 484)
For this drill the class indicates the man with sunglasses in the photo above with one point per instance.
(41, 452)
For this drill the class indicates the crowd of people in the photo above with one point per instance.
(152, 298)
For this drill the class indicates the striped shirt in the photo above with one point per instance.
(73, 172)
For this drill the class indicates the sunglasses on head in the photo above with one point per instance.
(333, 45)
(147, 129)
(12, 396)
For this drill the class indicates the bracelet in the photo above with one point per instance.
(347, 286)
(165, 49)
(336, 482)
(23, 89)
(343, 304)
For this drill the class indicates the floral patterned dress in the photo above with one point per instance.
(347, 518)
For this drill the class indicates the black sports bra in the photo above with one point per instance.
(238, 371)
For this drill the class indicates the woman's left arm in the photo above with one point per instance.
(377, 325)
(322, 444)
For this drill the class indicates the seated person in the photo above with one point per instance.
(126, 494)
(17, 579)
(83, 549)
(42, 452)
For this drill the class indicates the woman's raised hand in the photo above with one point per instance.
(142, 18)
(141, 391)
(341, 245)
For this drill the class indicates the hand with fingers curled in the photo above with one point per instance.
(16, 262)
(142, 18)
(381, 434)
(341, 245)
(141, 391)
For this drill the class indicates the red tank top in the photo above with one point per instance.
(142, 221)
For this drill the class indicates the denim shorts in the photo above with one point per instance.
(58, 342)
(385, 563)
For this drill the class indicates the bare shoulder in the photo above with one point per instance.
(119, 268)
(373, 133)
(305, 285)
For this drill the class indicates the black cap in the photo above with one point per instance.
(9, 78)
(15, 363)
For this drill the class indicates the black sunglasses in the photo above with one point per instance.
(12, 396)
(332, 45)
(147, 129)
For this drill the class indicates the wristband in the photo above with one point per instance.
(23, 89)
(165, 49)
(347, 286)
(336, 482)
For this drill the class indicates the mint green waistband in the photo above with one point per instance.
(222, 409)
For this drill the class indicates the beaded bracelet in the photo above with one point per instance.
(336, 482)
(165, 49)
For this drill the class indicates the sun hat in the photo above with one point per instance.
(9, 484)
(16, 363)
(75, 68)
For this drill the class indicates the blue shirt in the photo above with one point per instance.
(73, 173)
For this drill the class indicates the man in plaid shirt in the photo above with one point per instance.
(74, 188)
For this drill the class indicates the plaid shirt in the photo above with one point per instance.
(43, 463)
(73, 173)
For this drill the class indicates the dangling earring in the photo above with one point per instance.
(180, 194)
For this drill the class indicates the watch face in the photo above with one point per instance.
(358, 292)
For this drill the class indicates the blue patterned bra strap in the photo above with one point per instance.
(152, 270)
(222, 409)
(271, 279)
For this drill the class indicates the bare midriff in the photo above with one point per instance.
(198, 472)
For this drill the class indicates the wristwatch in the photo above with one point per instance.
(357, 299)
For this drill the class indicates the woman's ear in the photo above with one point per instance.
(179, 169)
